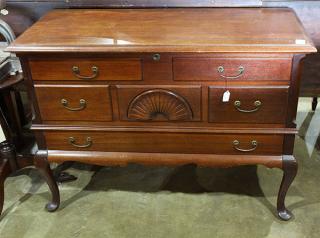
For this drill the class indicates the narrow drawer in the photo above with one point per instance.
(208, 69)
(74, 102)
(155, 142)
(248, 105)
(159, 103)
(86, 69)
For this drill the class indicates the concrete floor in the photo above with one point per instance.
(154, 202)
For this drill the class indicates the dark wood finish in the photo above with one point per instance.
(308, 13)
(11, 81)
(174, 103)
(193, 143)
(202, 69)
(290, 168)
(15, 152)
(289, 163)
(124, 158)
(8, 152)
(273, 108)
(108, 69)
(112, 26)
(171, 117)
(22, 14)
(5, 171)
(10, 162)
(294, 90)
(11, 118)
(310, 83)
(159, 104)
(314, 103)
(97, 106)
(43, 166)
(306, 10)
(311, 65)
(224, 129)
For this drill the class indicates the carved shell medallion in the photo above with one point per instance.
(159, 105)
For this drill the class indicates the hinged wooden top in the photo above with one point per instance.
(167, 30)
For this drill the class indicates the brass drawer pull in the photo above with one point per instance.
(254, 144)
(76, 72)
(257, 104)
(72, 141)
(82, 104)
(240, 70)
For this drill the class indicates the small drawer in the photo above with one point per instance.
(248, 105)
(159, 103)
(74, 102)
(209, 69)
(165, 142)
(86, 69)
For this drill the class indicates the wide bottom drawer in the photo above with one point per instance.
(164, 142)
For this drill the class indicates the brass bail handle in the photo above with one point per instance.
(256, 103)
(82, 105)
(254, 144)
(77, 73)
(221, 71)
(72, 141)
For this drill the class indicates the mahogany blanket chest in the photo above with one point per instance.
(214, 87)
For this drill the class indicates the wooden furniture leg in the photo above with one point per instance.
(42, 164)
(289, 167)
(7, 165)
(314, 103)
(5, 170)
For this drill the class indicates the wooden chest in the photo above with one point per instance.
(214, 87)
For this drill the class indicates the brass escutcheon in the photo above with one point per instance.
(156, 57)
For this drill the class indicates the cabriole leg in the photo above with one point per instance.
(314, 103)
(7, 166)
(289, 167)
(42, 164)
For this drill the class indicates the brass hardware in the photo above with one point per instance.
(257, 104)
(82, 104)
(254, 144)
(156, 57)
(72, 141)
(76, 72)
(240, 70)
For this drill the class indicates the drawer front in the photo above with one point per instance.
(208, 69)
(161, 142)
(74, 102)
(86, 69)
(248, 105)
(159, 103)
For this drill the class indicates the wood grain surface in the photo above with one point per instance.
(108, 69)
(186, 30)
(273, 108)
(207, 69)
(97, 106)
(198, 143)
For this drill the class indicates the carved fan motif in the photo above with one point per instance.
(159, 105)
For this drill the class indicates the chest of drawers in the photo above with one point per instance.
(214, 87)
